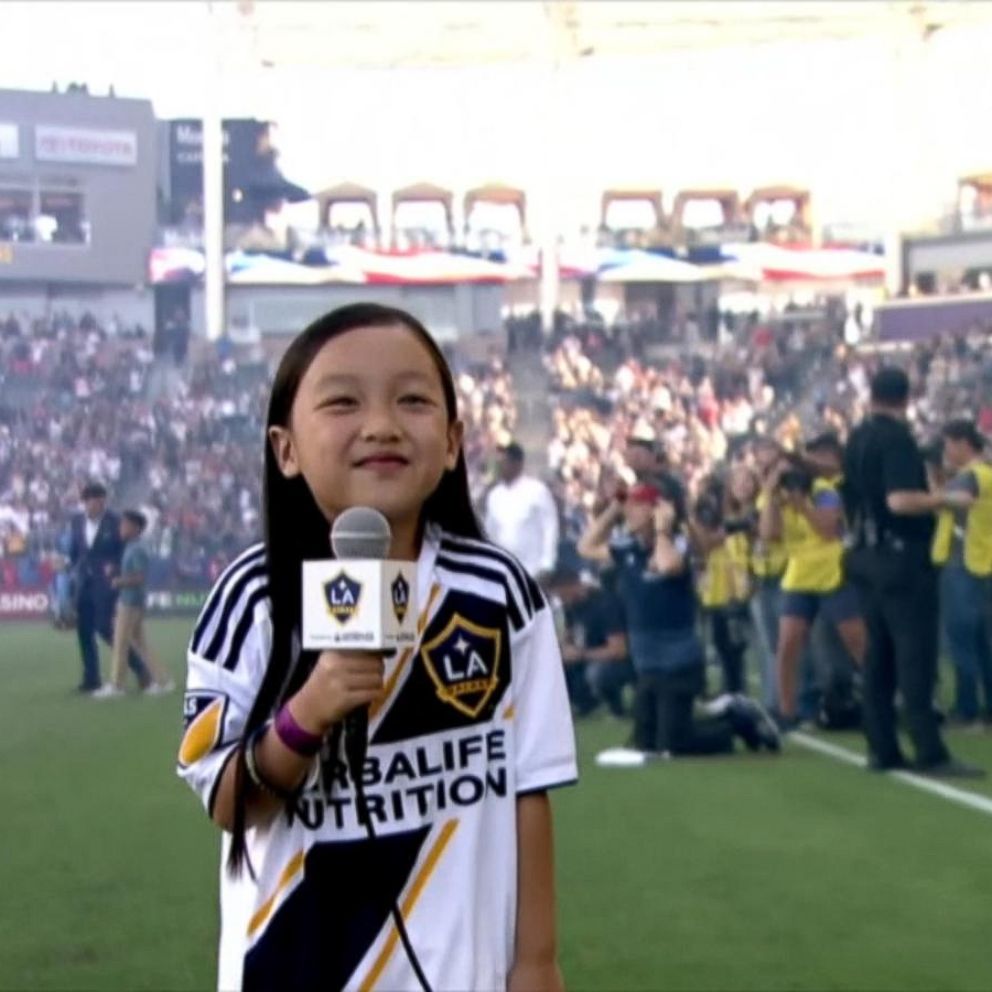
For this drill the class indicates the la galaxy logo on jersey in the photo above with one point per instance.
(461, 662)
(400, 590)
(342, 594)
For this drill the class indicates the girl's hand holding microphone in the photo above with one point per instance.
(341, 681)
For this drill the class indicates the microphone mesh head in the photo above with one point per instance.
(361, 532)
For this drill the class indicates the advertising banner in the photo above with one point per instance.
(85, 146)
(36, 604)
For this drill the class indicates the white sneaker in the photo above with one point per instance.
(108, 691)
(160, 688)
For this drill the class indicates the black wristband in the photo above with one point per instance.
(260, 782)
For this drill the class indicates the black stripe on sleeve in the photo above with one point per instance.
(487, 575)
(236, 599)
(245, 623)
(217, 593)
(530, 592)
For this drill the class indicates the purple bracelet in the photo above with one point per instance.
(298, 740)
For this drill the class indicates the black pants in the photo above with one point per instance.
(728, 631)
(590, 683)
(95, 616)
(664, 720)
(899, 597)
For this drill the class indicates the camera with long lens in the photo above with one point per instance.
(796, 480)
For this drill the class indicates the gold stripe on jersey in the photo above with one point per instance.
(201, 736)
(423, 876)
(510, 712)
(425, 613)
(387, 690)
(265, 910)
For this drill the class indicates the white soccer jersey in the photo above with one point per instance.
(474, 717)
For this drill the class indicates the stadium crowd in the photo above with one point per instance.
(77, 405)
(714, 431)
(746, 466)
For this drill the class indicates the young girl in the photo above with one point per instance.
(466, 733)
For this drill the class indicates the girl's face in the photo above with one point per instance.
(369, 426)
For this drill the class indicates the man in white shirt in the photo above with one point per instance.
(521, 515)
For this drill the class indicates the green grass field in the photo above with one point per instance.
(746, 873)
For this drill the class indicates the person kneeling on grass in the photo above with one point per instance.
(593, 642)
(650, 549)
(129, 620)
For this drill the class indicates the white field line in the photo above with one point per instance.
(949, 792)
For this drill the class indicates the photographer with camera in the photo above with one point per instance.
(593, 641)
(722, 527)
(768, 562)
(803, 508)
(962, 549)
(644, 536)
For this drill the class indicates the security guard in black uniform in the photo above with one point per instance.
(890, 517)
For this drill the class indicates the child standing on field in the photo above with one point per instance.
(129, 620)
(427, 865)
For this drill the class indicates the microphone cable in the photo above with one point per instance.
(355, 746)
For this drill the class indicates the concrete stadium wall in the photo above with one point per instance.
(131, 305)
(948, 254)
(119, 198)
(450, 312)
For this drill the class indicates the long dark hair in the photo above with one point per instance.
(296, 529)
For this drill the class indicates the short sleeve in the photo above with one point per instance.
(966, 482)
(220, 690)
(901, 465)
(543, 733)
(827, 498)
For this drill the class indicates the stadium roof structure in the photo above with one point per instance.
(439, 33)
(300, 34)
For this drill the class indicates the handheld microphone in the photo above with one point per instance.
(360, 533)
(362, 537)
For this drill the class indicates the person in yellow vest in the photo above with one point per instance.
(962, 546)
(804, 510)
(768, 561)
(721, 529)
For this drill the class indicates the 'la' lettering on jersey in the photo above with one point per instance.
(474, 717)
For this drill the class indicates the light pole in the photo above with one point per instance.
(213, 185)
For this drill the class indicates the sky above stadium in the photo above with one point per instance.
(878, 121)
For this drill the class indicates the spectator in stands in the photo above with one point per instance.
(521, 515)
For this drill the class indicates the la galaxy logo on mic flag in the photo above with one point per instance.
(342, 594)
(400, 590)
